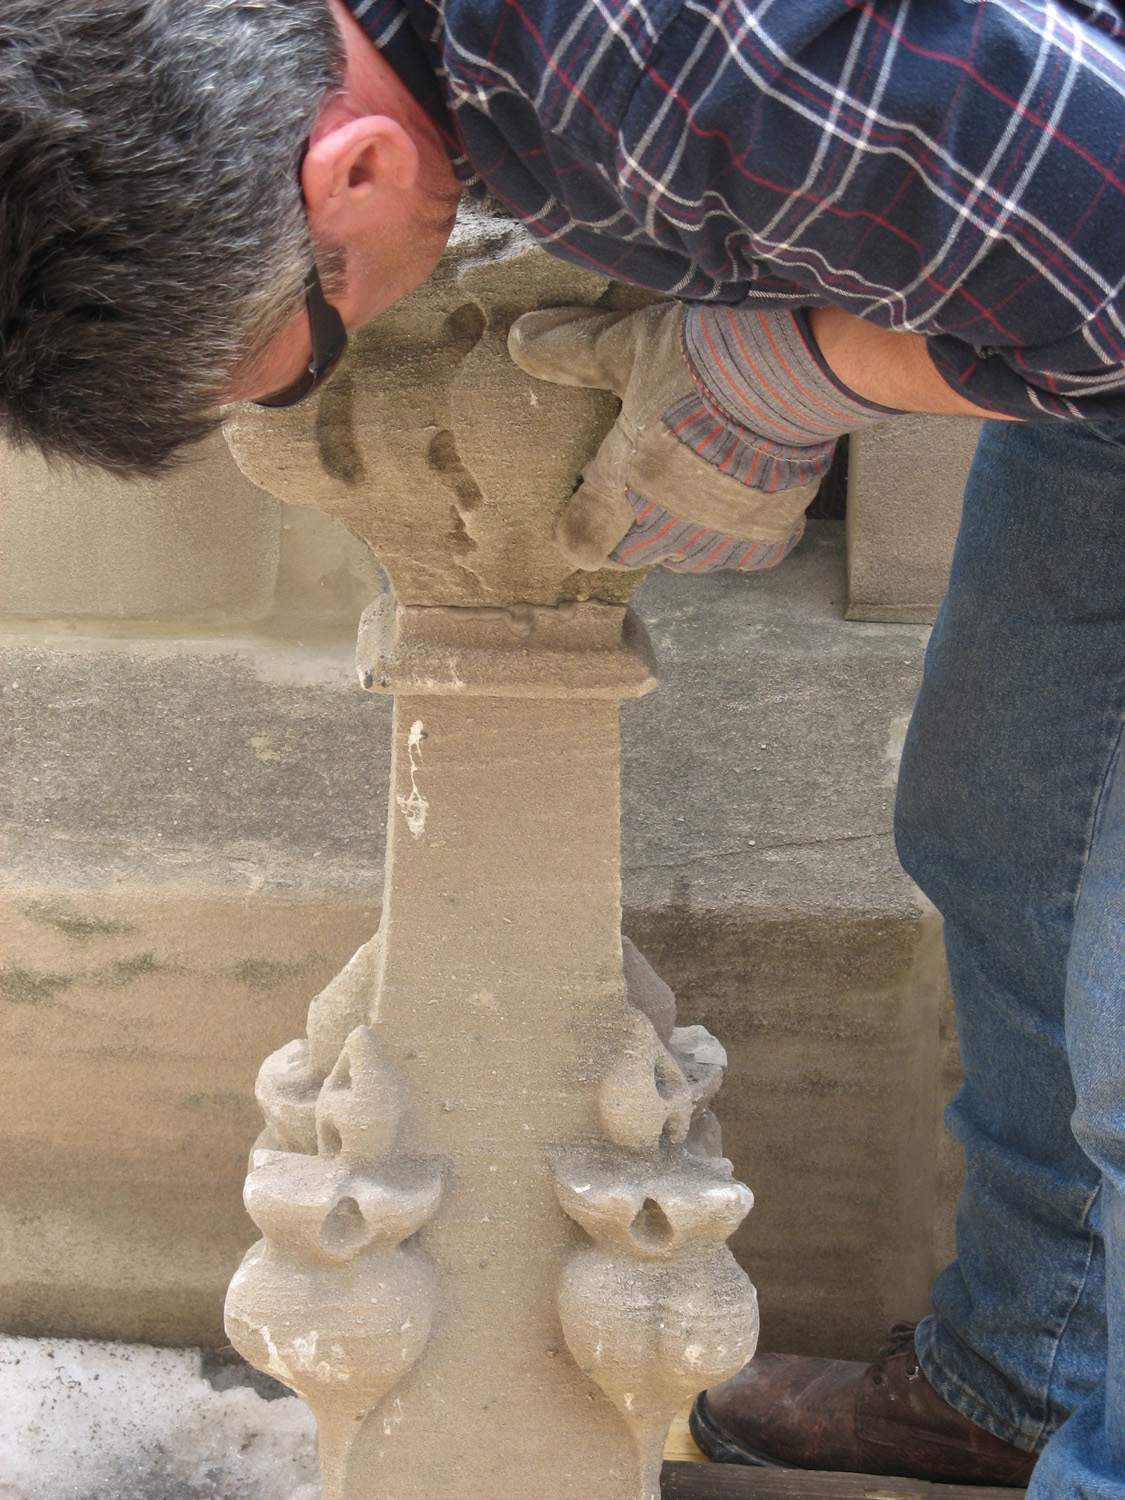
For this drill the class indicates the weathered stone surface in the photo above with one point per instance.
(593, 652)
(432, 446)
(764, 770)
(830, 1109)
(252, 751)
(905, 485)
(325, 574)
(202, 543)
(132, 1022)
(218, 792)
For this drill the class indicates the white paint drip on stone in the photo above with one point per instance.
(305, 1350)
(275, 1363)
(415, 808)
(394, 1417)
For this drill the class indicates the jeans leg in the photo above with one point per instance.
(1005, 769)
(1085, 1459)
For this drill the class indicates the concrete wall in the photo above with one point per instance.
(191, 804)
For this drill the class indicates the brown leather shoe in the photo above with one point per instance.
(885, 1418)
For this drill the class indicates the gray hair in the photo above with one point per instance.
(152, 229)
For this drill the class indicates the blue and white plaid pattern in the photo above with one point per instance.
(950, 167)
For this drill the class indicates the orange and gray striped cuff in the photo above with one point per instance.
(659, 536)
(768, 409)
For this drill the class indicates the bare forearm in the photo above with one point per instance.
(893, 369)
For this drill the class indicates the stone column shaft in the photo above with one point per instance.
(500, 996)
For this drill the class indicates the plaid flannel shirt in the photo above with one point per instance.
(955, 168)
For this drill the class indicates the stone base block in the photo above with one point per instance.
(133, 1024)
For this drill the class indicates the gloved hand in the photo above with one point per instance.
(728, 421)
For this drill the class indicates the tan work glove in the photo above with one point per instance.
(728, 421)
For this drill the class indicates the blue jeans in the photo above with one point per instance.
(1011, 817)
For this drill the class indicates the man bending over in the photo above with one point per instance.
(858, 208)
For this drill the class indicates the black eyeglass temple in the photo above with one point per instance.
(329, 339)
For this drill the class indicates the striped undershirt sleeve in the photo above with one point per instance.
(767, 409)
(659, 536)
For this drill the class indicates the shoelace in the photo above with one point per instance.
(900, 1338)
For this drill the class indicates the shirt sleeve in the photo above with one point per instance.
(954, 168)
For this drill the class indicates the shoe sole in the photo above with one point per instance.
(718, 1446)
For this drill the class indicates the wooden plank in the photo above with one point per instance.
(680, 1447)
(734, 1482)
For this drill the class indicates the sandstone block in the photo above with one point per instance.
(133, 1022)
(77, 542)
(324, 570)
(905, 485)
(430, 432)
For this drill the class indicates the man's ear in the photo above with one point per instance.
(351, 168)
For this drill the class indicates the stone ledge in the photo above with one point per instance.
(761, 773)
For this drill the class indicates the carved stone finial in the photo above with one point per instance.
(655, 1307)
(332, 1301)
